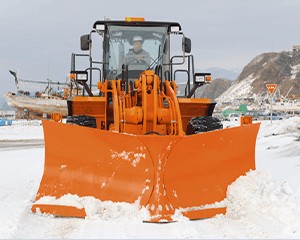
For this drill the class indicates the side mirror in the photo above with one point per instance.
(186, 45)
(85, 42)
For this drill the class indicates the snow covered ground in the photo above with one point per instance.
(263, 204)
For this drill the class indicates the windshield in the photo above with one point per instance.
(138, 47)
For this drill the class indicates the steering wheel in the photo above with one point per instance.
(138, 62)
(135, 73)
(131, 74)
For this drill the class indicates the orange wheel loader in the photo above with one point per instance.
(140, 136)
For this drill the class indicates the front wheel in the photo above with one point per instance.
(203, 124)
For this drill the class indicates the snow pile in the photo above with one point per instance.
(283, 138)
(97, 209)
(291, 125)
(257, 197)
(258, 192)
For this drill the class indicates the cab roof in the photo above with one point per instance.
(137, 23)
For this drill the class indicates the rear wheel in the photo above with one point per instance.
(203, 124)
(82, 120)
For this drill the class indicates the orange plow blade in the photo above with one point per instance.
(202, 166)
(162, 173)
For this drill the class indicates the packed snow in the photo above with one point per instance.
(265, 203)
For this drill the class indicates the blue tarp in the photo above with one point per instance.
(3, 122)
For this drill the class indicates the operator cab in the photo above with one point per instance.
(120, 51)
(155, 38)
(118, 39)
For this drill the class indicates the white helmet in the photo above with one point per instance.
(137, 38)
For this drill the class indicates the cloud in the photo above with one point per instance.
(38, 37)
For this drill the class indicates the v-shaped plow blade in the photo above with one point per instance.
(162, 173)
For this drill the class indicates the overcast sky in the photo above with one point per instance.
(38, 36)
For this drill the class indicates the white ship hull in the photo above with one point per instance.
(38, 106)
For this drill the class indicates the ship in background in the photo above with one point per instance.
(39, 99)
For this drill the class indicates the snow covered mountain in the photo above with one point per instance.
(282, 68)
(214, 89)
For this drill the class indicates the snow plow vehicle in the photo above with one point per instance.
(138, 140)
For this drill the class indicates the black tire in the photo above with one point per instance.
(203, 124)
(82, 120)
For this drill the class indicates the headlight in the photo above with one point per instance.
(202, 78)
(81, 76)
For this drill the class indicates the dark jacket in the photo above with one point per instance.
(132, 62)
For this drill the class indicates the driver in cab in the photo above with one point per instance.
(137, 58)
